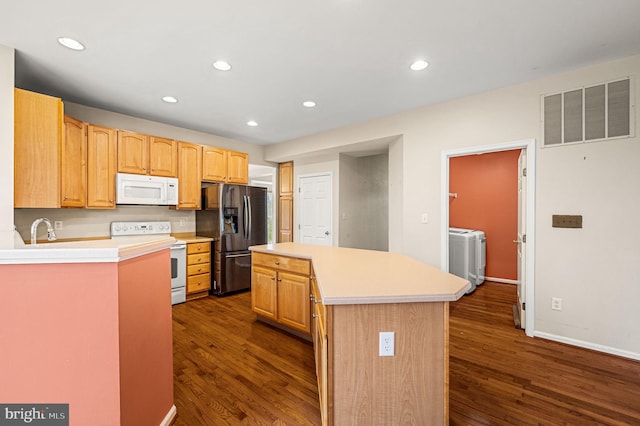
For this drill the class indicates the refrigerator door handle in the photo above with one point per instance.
(245, 219)
(249, 230)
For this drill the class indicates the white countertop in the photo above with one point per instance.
(354, 276)
(92, 251)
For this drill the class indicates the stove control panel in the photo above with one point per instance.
(121, 229)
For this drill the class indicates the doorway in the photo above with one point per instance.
(315, 211)
(526, 216)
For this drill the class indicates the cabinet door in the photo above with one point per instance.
(285, 219)
(38, 128)
(189, 173)
(133, 153)
(264, 292)
(285, 202)
(285, 179)
(73, 163)
(237, 167)
(163, 157)
(101, 167)
(293, 301)
(322, 355)
(214, 164)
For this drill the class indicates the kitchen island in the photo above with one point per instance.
(88, 324)
(355, 296)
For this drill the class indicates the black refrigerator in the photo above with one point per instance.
(235, 216)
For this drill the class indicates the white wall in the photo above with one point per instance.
(364, 202)
(6, 145)
(593, 269)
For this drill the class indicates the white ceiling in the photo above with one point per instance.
(350, 56)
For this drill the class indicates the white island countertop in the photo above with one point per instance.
(89, 251)
(354, 276)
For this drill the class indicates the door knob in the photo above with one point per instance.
(516, 241)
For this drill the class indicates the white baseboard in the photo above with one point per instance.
(587, 345)
(501, 280)
(170, 416)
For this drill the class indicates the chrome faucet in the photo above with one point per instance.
(51, 235)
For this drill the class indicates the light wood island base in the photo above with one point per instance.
(357, 294)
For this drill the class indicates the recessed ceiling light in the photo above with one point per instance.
(309, 104)
(419, 65)
(222, 65)
(252, 123)
(169, 99)
(70, 43)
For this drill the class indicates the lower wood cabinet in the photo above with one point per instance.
(280, 290)
(198, 270)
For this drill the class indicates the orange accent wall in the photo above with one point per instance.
(487, 188)
(94, 335)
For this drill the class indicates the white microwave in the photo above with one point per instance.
(149, 190)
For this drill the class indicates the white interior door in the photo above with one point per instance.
(315, 209)
(522, 237)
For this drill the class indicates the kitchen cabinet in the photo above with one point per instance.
(320, 348)
(198, 270)
(220, 165)
(237, 167)
(285, 202)
(38, 134)
(163, 157)
(146, 155)
(189, 176)
(350, 307)
(73, 163)
(101, 167)
(280, 290)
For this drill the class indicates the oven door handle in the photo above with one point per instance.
(178, 247)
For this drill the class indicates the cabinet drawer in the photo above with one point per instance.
(201, 268)
(198, 283)
(198, 248)
(290, 264)
(194, 259)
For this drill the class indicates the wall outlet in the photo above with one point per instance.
(57, 225)
(556, 303)
(424, 218)
(387, 343)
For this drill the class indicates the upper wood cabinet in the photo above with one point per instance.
(73, 163)
(38, 134)
(285, 178)
(237, 167)
(101, 167)
(163, 157)
(220, 165)
(146, 155)
(214, 164)
(189, 176)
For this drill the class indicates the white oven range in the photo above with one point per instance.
(178, 251)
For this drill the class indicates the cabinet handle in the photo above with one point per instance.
(311, 297)
(277, 263)
(273, 278)
(314, 315)
(279, 279)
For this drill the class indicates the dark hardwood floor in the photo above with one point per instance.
(231, 370)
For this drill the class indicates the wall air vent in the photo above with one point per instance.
(593, 113)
